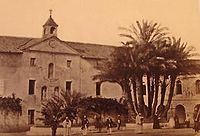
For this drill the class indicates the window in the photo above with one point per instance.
(31, 87)
(56, 91)
(32, 61)
(43, 93)
(97, 63)
(1, 87)
(52, 30)
(198, 87)
(44, 32)
(50, 70)
(31, 117)
(178, 87)
(98, 88)
(68, 86)
(69, 63)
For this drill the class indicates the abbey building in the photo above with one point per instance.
(36, 68)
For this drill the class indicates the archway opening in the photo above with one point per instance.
(180, 113)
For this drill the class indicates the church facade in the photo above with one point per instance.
(34, 69)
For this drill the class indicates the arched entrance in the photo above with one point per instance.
(180, 113)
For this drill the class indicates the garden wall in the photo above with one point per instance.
(12, 122)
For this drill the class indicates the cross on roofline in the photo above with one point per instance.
(50, 11)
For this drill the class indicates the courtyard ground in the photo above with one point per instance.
(147, 132)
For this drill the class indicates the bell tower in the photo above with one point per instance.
(50, 27)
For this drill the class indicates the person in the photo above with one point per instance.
(109, 125)
(156, 122)
(187, 121)
(139, 123)
(67, 126)
(118, 122)
(85, 125)
(54, 125)
(196, 120)
(98, 123)
(176, 119)
(171, 122)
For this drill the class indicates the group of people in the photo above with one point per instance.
(140, 121)
(110, 124)
(139, 124)
(85, 124)
(67, 123)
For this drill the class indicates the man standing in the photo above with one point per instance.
(156, 122)
(196, 120)
(118, 122)
(109, 125)
(67, 126)
(139, 123)
(85, 125)
(187, 120)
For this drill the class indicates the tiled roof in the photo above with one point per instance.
(11, 44)
(86, 50)
(91, 51)
(50, 22)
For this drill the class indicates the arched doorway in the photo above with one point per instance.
(180, 113)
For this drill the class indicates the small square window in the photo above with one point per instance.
(32, 61)
(69, 62)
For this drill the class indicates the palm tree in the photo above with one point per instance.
(53, 113)
(177, 62)
(55, 109)
(143, 39)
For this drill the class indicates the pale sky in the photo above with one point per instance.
(97, 21)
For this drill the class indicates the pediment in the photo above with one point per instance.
(52, 45)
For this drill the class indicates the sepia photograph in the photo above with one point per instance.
(100, 67)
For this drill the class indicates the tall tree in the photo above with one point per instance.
(143, 40)
(177, 56)
(149, 52)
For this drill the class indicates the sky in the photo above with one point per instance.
(97, 21)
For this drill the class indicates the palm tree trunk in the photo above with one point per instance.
(171, 93)
(53, 129)
(163, 90)
(149, 95)
(139, 90)
(134, 94)
(128, 96)
(156, 94)
(152, 91)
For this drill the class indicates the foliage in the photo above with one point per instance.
(102, 106)
(55, 109)
(71, 103)
(11, 104)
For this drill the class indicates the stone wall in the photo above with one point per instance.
(12, 122)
